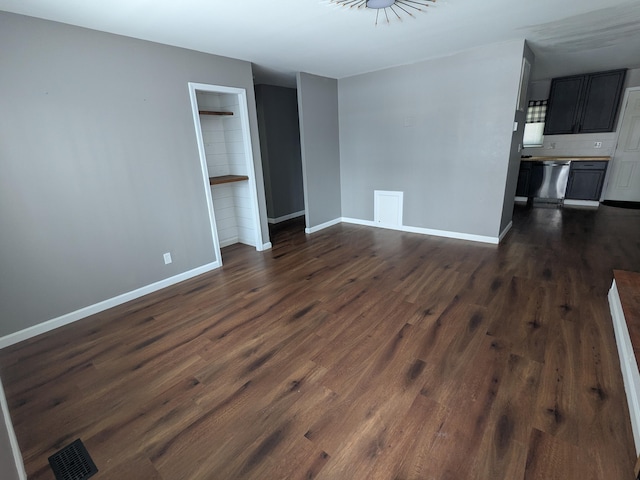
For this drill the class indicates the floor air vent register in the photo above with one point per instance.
(72, 463)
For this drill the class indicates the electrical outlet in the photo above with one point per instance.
(597, 145)
(167, 258)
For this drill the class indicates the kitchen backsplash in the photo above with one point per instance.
(574, 145)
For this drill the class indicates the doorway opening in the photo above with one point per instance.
(279, 131)
(221, 122)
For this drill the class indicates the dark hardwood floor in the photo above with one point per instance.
(353, 353)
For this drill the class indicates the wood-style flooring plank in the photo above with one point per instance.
(550, 458)
(505, 440)
(352, 353)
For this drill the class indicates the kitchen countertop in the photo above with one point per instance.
(552, 158)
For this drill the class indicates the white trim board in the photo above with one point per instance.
(581, 203)
(71, 317)
(260, 248)
(229, 241)
(284, 218)
(193, 87)
(427, 231)
(322, 226)
(243, 110)
(566, 201)
(505, 231)
(628, 364)
(15, 448)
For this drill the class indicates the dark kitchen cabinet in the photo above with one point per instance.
(562, 109)
(584, 103)
(585, 180)
(524, 179)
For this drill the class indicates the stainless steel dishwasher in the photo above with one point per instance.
(549, 180)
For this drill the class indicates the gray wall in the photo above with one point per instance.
(100, 168)
(319, 138)
(440, 131)
(520, 117)
(280, 147)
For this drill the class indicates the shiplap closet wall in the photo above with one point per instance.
(224, 148)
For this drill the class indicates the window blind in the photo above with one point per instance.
(537, 111)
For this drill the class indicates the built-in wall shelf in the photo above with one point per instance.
(213, 112)
(227, 179)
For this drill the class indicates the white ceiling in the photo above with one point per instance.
(284, 36)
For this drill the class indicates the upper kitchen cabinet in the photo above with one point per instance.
(584, 103)
(562, 107)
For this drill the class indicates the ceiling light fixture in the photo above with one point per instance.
(397, 7)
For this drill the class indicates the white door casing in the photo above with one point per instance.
(624, 178)
(244, 118)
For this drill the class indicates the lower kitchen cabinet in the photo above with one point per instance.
(524, 179)
(585, 180)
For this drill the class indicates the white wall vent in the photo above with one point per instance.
(387, 208)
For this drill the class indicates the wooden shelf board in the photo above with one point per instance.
(227, 179)
(211, 112)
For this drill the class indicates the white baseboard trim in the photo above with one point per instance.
(15, 448)
(582, 203)
(628, 363)
(425, 231)
(71, 317)
(234, 240)
(505, 231)
(358, 221)
(284, 218)
(265, 246)
(229, 241)
(322, 226)
(456, 235)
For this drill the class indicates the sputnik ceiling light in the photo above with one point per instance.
(397, 7)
